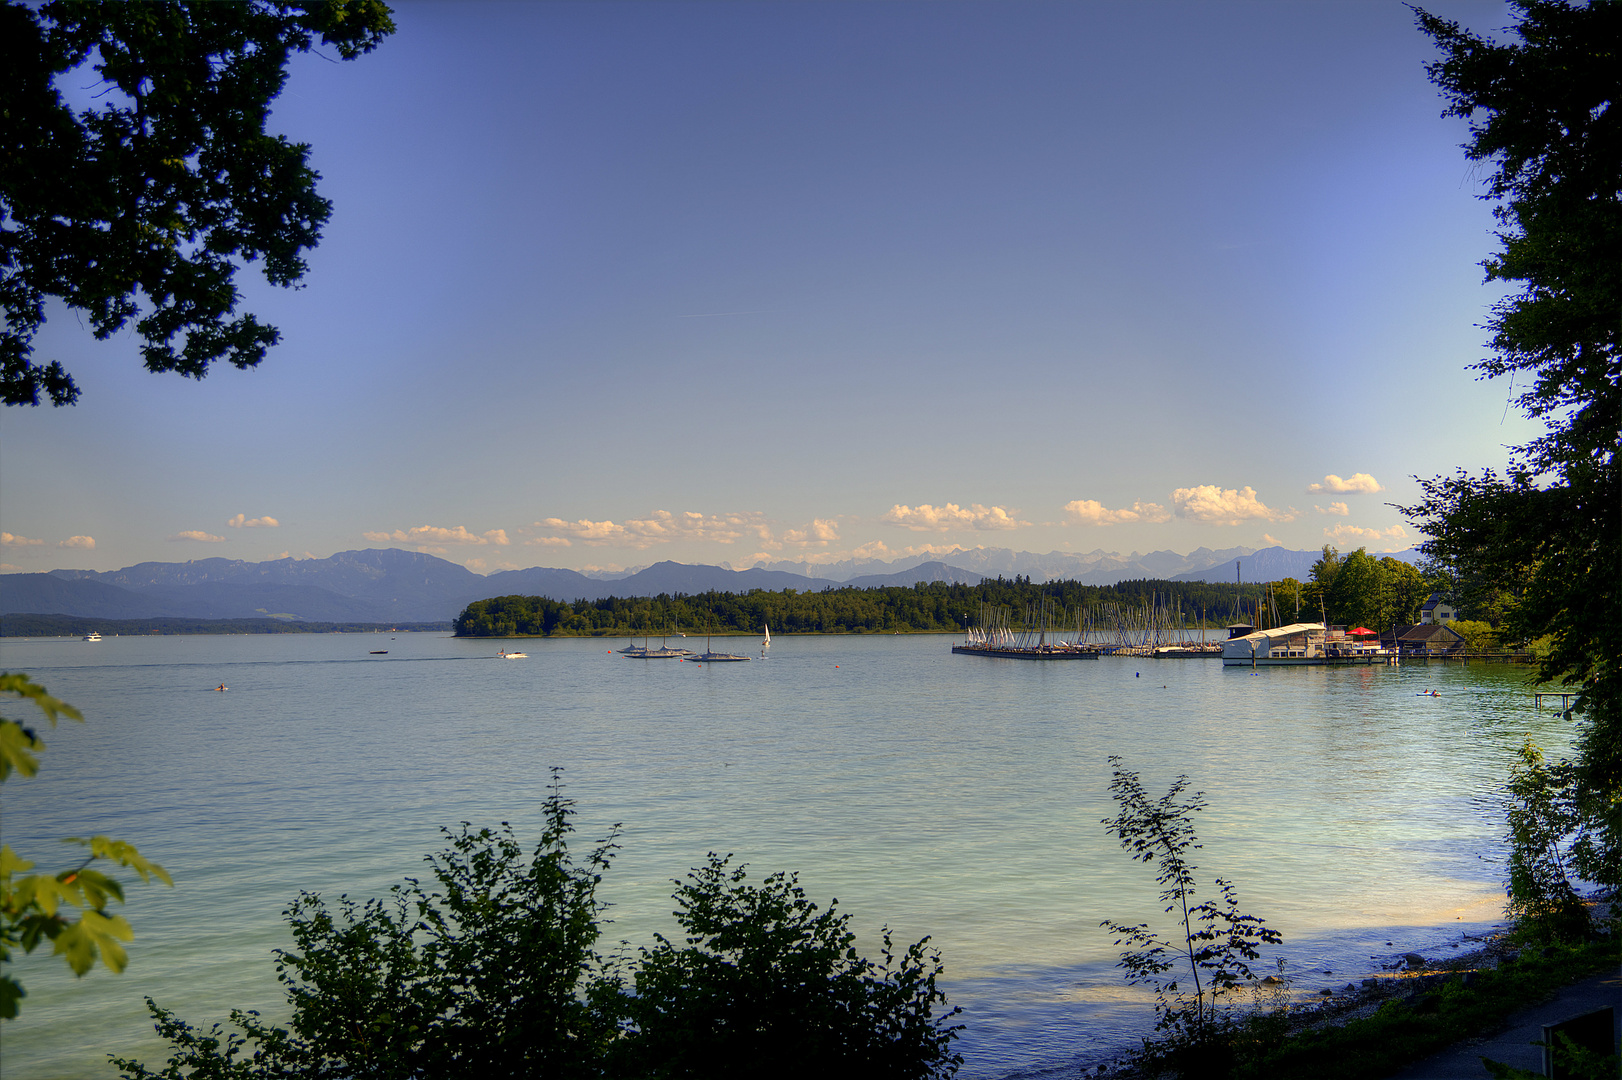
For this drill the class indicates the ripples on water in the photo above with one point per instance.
(946, 795)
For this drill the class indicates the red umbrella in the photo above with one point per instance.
(1363, 631)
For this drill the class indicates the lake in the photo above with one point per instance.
(953, 796)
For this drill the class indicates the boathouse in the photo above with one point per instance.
(1424, 639)
(1295, 640)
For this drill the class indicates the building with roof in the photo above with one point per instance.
(1423, 639)
(1435, 611)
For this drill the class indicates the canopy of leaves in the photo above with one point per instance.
(1548, 534)
(145, 205)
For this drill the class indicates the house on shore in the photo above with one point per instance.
(1423, 639)
(1435, 611)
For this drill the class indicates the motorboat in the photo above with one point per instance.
(92, 636)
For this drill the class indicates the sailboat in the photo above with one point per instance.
(710, 656)
(664, 651)
(764, 645)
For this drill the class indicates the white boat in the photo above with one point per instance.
(505, 655)
(92, 636)
(764, 645)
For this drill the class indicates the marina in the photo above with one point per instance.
(1158, 629)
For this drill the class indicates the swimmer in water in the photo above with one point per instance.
(220, 687)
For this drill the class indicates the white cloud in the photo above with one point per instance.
(1347, 535)
(820, 533)
(927, 518)
(85, 542)
(198, 535)
(1336, 509)
(1360, 482)
(1093, 512)
(873, 549)
(283, 555)
(10, 540)
(1218, 506)
(662, 527)
(1271, 540)
(8, 568)
(550, 541)
(243, 521)
(436, 536)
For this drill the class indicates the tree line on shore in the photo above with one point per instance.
(1355, 589)
(928, 607)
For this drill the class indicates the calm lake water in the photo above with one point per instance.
(952, 796)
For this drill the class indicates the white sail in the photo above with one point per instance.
(768, 642)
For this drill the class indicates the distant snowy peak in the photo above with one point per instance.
(1093, 568)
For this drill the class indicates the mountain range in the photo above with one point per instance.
(391, 585)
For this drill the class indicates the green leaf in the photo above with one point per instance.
(17, 683)
(11, 992)
(18, 746)
(102, 847)
(11, 863)
(94, 932)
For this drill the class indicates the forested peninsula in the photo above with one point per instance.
(928, 607)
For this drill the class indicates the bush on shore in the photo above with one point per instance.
(490, 969)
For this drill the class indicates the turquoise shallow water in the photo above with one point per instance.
(946, 795)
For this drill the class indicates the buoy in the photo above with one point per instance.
(1137, 674)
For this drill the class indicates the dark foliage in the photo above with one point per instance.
(766, 985)
(1543, 542)
(143, 207)
(490, 969)
(932, 606)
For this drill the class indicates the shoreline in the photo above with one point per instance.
(1411, 978)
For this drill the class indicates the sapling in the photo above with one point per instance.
(1219, 942)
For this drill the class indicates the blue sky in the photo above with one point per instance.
(612, 283)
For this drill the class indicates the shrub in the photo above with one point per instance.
(768, 986)
(1218, 942)
(490, 969)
